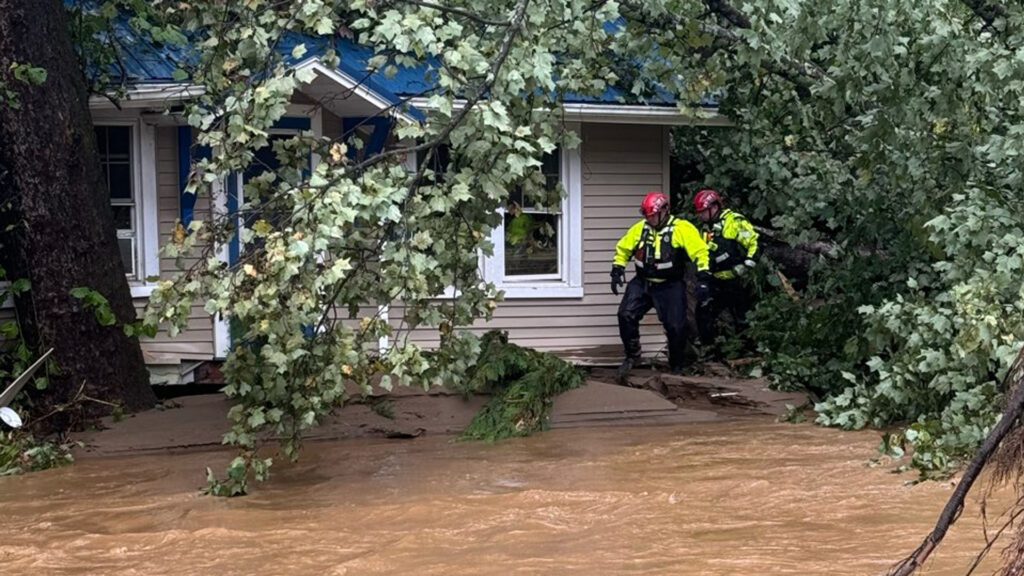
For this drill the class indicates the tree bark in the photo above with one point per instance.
(58, 230)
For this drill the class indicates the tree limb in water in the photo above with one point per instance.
(955, 505)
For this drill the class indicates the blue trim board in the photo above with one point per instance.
(186, 202)
(234, 247)
(378, 138)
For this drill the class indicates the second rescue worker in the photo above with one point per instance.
(732, 242)
(660, 245)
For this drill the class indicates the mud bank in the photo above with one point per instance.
(653, 398)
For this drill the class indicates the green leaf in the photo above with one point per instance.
(36, 75)
(9, 330)
(105, 316)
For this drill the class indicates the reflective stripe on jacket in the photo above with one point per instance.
(661, 254)
(731, 240)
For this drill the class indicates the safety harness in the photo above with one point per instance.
(723, 253)
(655, 257)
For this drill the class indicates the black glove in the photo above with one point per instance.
(703, 291)
(618, 278)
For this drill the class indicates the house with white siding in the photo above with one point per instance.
(564, 305)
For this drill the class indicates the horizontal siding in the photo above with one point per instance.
(620, 163)
(196, 342)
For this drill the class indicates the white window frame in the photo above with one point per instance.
(144, 190)
(560, 236)
(569, 281)
(131, 233)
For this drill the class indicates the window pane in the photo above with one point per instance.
(118, 141)
(114, 144)
(122, 217)
(531, 244)
(127, 246)
(551, 169)
(120, 181)
(101, 141)
(542, 200)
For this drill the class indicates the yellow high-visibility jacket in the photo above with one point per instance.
(661, 255)
(731, 240)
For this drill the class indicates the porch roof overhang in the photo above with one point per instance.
(336, 90)
(346, 94)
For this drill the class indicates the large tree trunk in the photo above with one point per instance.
(59, 231)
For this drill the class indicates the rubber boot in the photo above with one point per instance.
(622, 376)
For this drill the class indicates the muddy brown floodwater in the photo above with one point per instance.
(746, 497)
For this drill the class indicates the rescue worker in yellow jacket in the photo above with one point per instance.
(733, 252)
(660, 246)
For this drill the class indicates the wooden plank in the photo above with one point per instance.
(180, 350)
(651, 180)
(602, 157)
(642, 164)
(628, 204)
(596, 189)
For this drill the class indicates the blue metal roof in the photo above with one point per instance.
(146, 62)
(141, 60)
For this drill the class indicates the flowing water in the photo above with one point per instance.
(747, 497)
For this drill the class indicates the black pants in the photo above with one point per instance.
(731, 295)
(668, 298)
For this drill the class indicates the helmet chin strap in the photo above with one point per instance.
(662, 218)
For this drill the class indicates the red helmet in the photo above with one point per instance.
(653, 202)
(705, 198)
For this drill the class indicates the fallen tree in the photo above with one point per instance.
(994, 444)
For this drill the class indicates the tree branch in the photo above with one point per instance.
(460, 12)
(492, 76)
(989, 542)
(727, 11)
(955, 505)
(803, 74)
